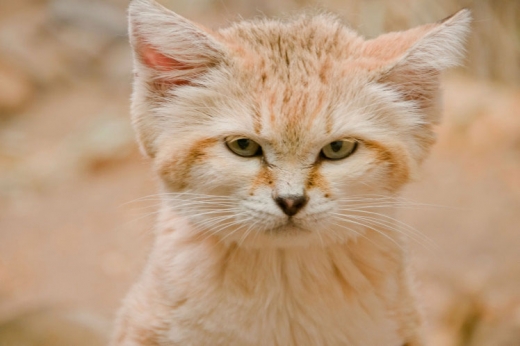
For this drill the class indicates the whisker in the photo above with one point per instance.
(415, 236)
(386, 217)
(146, 215)
(242, 222)
(357, 233)
(212, 231)
(346, 219)
(180, 195)
(246, 233)
(211, 221)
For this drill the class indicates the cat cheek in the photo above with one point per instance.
(395, 161)
(176, 171)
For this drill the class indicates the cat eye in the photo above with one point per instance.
(338, 150)
(244, 147)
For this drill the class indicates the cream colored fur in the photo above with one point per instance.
(228, 267)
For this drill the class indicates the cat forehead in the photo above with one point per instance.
(293, 70)
(307, 36)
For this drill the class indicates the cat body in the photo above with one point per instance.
(288, 296)
(281, 146)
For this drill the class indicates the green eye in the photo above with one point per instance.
(338, 150)
(244, 147)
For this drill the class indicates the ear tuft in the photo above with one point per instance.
(411, 61)
(442, 46)
(170, 48)
(169, 51)
(432, 46)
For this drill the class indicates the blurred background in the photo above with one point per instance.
(74, 235)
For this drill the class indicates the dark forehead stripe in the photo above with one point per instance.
(257, 120)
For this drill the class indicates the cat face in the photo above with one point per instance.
(270, 149)
(283, 133)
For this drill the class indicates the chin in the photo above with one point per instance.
(287, 236)
(288, 229)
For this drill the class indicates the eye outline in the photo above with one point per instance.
(238, 151)
(346, 155)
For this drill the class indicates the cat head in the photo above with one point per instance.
(271, 130)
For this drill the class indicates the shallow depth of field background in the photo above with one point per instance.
(73, 236)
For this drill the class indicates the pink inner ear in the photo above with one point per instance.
(158, 61)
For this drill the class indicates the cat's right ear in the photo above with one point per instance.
(169, 50)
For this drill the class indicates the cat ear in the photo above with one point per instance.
(169, 49)
(412, 60)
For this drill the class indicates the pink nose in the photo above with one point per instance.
(291, 204)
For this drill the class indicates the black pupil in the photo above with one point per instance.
(243, 143)
(336, 146)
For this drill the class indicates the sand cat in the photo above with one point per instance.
(281, 146)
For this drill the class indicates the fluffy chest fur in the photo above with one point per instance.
(226, 295)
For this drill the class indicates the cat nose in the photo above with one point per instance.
(291, 204)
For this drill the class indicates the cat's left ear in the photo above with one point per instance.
(411, 61)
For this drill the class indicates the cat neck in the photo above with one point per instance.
(202, 277)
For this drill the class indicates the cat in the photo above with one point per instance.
(281, 147)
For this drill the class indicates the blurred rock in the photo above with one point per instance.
(54, 328)
(23, 41)
(87, 30)
(497, 333)
(472, 319)
(105, 141)
(62, 41)
(100, 17)
(116, 66)
(15, 89)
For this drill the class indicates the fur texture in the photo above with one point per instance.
(229, 266)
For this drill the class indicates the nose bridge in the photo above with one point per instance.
(289, 192)
(290, 181)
